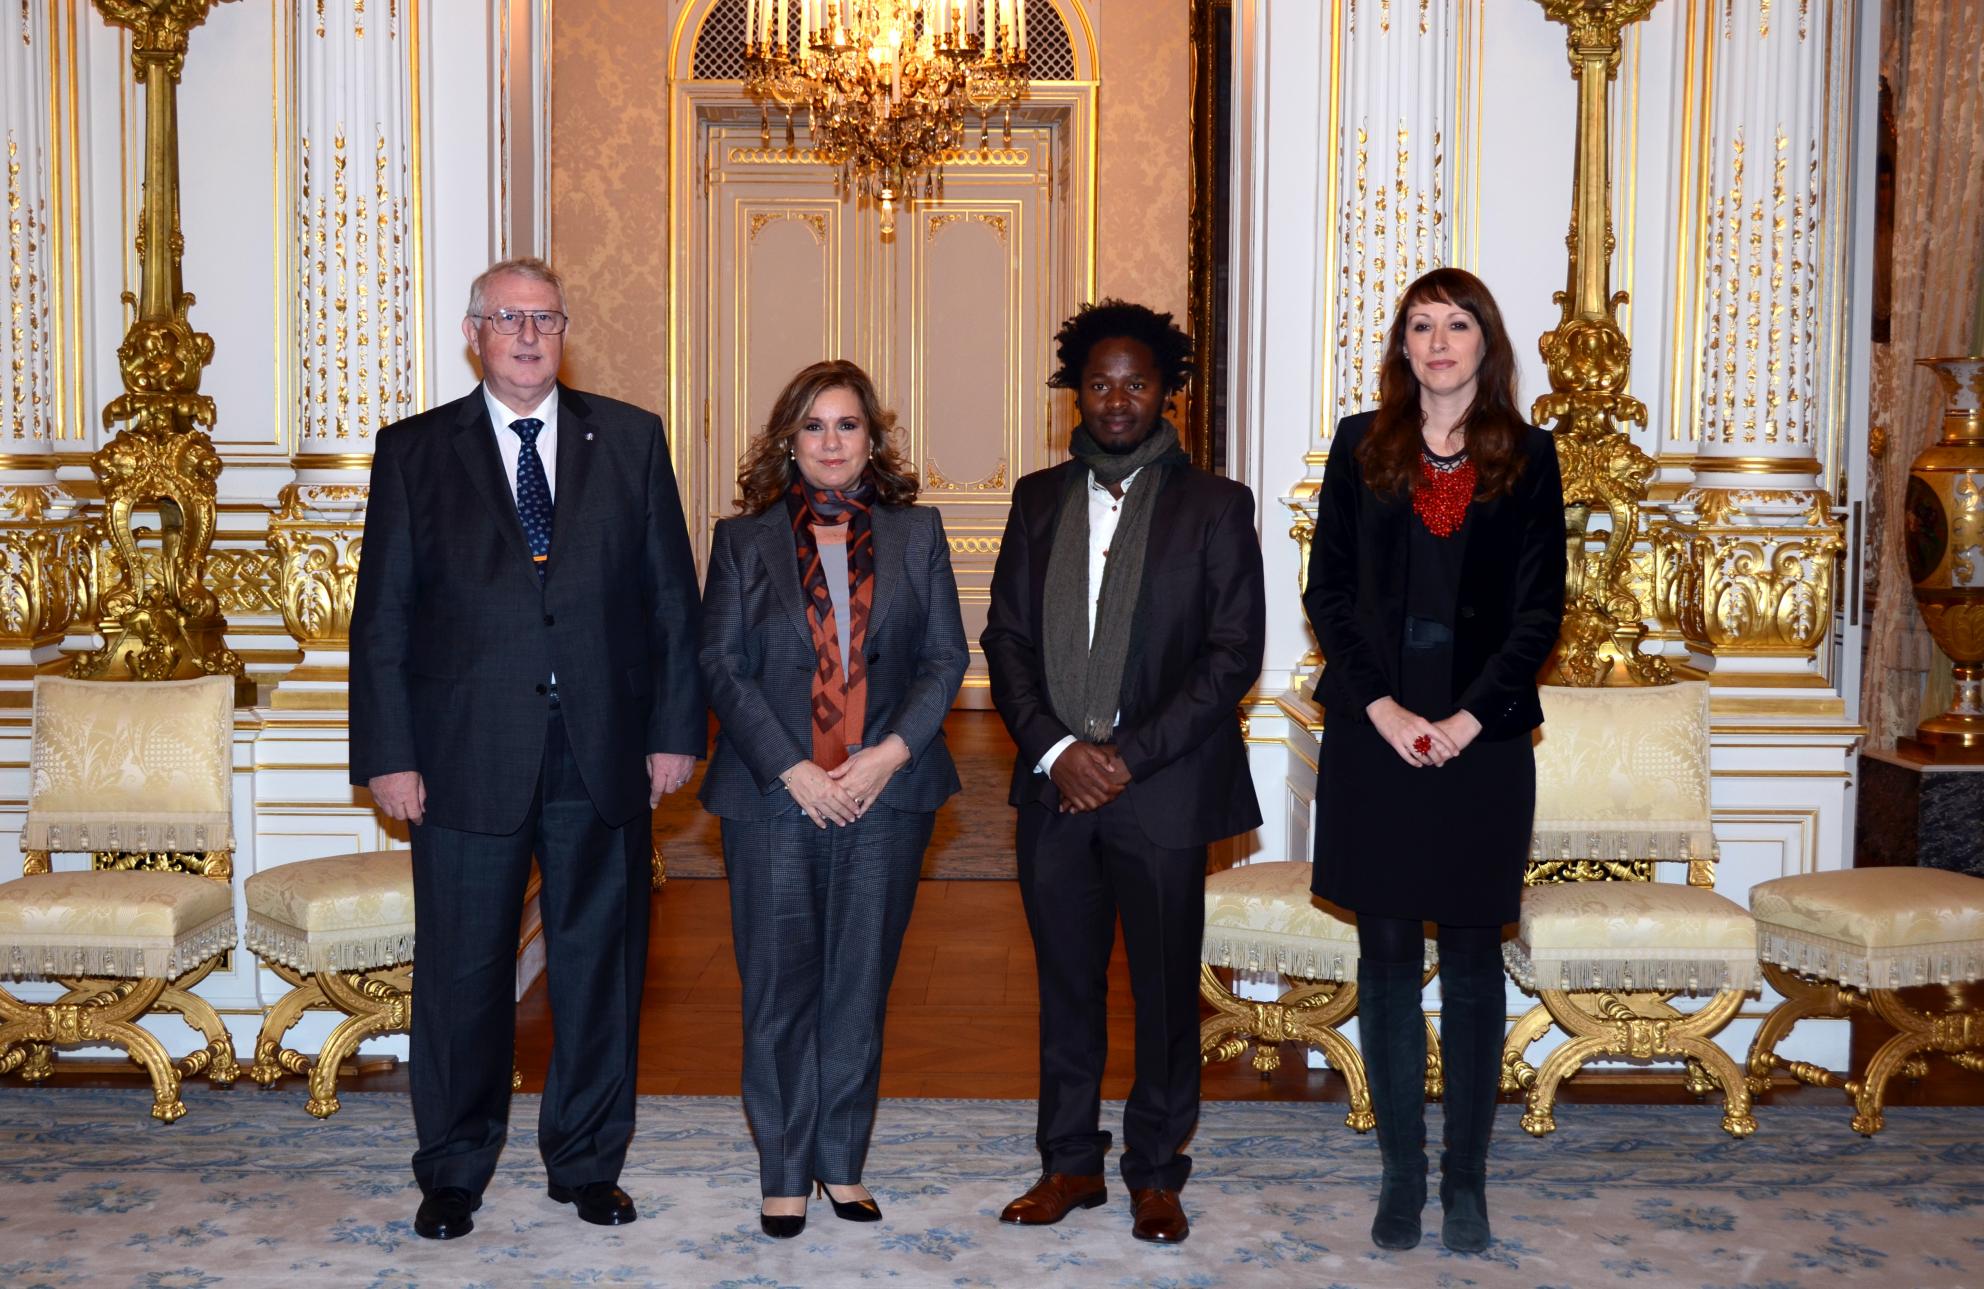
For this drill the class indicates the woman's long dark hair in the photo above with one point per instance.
(1389, 454)
(768, 469)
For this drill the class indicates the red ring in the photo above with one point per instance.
(1423, 744)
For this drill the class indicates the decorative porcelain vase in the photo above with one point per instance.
(1944, 543)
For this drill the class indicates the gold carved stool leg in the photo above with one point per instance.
(272, 1059)
(216, 1059)
(377, 1002)
(1635, 1026)
(1955, 1030)
(39, 1065)
(1518, 1075)
(1804, 997)
(94, 1011)
(1307, 1014)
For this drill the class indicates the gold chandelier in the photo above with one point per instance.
(887, 84)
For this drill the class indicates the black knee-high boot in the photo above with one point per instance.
(1473, 1019)
(1391, 1030)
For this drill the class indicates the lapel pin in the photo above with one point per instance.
(588, 436)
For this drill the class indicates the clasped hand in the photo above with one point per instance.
(843, 794)
(1089, 776)
(1418, 741)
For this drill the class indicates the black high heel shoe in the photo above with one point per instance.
(781, 1226)
(853, 1210)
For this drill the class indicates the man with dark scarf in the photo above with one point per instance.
(1127, 624)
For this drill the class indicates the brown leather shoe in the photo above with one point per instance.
(1053, 1197)
(1160, 1218)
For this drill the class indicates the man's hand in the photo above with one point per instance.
(401, 794)
(868, 771)
(1119, 773)
(667, 771)
(1089, 777)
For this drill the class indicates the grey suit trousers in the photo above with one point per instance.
(817, 918)
(468, 900)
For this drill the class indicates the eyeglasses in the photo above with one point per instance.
(508, 322)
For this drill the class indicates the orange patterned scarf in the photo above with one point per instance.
(840, 685)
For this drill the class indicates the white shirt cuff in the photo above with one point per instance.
(1053, 753)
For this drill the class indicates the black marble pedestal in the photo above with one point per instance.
(1910, 815)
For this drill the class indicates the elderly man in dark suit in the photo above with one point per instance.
(1119, 648)
(524, 682)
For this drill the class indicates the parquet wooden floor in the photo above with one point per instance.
(962, 1016)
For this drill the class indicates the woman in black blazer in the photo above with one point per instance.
(1436, 589)
(832, 646)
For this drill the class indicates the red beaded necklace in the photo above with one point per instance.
(1441, 497)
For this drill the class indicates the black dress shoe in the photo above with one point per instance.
(444, 1213)
(601, 1203)
(781, 1226)
(852, 1210)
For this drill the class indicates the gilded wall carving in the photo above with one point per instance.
(354, 294)
(315, 540)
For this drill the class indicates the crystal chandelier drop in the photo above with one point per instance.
(887, 84)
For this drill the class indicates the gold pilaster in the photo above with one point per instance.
(167, 625)
(1590, 362)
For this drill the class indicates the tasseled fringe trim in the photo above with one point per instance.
(1853, 964)
(132, 831)
(128, 961)
(1287, 955)
(1686, 971)
(296, 949)
(1570, 839)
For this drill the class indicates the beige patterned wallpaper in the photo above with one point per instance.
(1144, 188)
(609, 187)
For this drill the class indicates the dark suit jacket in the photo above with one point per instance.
(453, 636)
(758, 659)
(1511, 600)
(1195, 652)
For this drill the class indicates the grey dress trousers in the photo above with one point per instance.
(817, 914)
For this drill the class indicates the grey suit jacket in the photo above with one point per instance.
(758, 660)
(454, 637)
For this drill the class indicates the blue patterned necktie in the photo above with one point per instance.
(533, 492)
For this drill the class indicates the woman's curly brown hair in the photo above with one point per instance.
(768, 469)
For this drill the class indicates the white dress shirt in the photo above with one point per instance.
(509, 446)
(1104, 512)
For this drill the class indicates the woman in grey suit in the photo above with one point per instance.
(832, 646)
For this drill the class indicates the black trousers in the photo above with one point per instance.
(817, 918)
(1077, 873)
(468, 891)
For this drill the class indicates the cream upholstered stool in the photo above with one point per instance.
(340, 930)
(137, 773)
(1262, 918)
(1622, 784)
(1834, 943)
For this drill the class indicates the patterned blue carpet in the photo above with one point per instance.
(249, 1190)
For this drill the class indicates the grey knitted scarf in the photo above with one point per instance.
(1084, 670)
